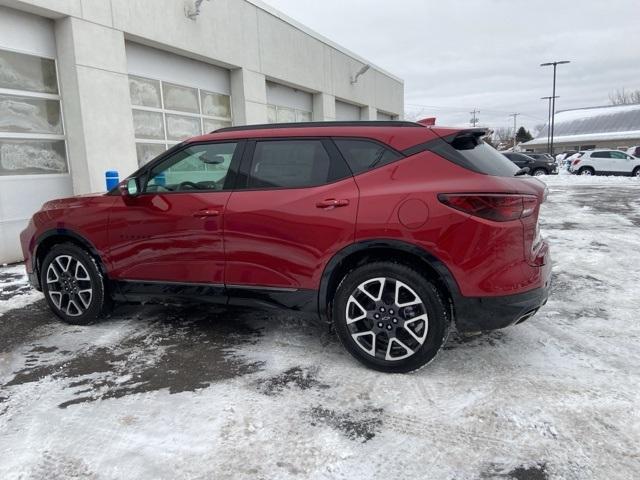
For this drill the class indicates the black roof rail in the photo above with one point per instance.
(359, 123)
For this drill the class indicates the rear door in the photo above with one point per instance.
(293, 208)
(601, 161)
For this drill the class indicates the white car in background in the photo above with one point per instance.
(604, 162)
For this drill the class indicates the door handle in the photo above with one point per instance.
(207, 213)
(332, 203)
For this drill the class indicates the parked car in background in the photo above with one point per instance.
(392, 231)
(540, 156)
(604, 162)
(562, 159)
(634, 151)
(537, 167)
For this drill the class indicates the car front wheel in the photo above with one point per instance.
(73, 285)
(390, 317)
(538, 172)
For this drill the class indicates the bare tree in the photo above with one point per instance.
(624, 97)
(502, 135)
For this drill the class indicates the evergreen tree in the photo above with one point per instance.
(523, 135)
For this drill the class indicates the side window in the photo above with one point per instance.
(292, 164)
(195, 168)
(620, 155)
(363, 155)
(600, 155)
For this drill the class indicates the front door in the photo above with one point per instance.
(293, 209)
(620, 162)
(172, 231)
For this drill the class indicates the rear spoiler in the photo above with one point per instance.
(469, 136)
(468, 133)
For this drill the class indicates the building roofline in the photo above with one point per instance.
(598, 106)
(587, 137)
(303, 28)
(355, 123)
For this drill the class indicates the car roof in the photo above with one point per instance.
(399, 134)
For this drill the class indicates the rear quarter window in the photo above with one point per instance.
(473, 153)
(363, 155)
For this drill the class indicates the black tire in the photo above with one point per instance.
(65, 290)
(636, 172)
(434, 332)
(539, 171)
(586, 171)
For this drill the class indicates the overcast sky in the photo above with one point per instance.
(457, 55)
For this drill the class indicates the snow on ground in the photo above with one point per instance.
(208, 392)
(14, 289)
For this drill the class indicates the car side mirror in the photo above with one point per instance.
(215, 160)
(130, 188)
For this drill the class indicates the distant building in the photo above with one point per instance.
(616, 127)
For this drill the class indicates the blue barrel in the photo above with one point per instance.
(160, 179)
(112, 178)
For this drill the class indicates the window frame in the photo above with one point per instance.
(296, 112)
(167, 142)
(143, 173)
(401, 155)
(244, 172)
(39, 136)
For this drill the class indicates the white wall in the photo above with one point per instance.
(22, 195)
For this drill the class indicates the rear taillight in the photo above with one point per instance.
(575, 162)
(496, 207)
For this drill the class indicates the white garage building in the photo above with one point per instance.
(88, 86)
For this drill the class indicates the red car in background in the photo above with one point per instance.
(389, 230)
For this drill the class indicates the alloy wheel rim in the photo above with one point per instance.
(69, 285)
(387, 319)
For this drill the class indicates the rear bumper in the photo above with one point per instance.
(475, 314)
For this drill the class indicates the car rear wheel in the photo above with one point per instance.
(586, 171)
(73, 285)
(636, 172)
(539, 172)
(389, 317)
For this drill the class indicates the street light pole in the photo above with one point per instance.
(515, 116)
(548, 121)
(553, 97)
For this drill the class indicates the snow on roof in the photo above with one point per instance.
(594, 123)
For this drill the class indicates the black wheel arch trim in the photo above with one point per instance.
(73, 235)
(441, 269)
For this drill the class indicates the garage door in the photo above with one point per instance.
(347, 112)
(286, 104)
(174, 98)
(384, 116)
(33, 152)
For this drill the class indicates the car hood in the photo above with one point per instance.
(76, 201)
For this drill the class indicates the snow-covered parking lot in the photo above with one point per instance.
(207, 392)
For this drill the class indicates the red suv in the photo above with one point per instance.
(390, 230)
